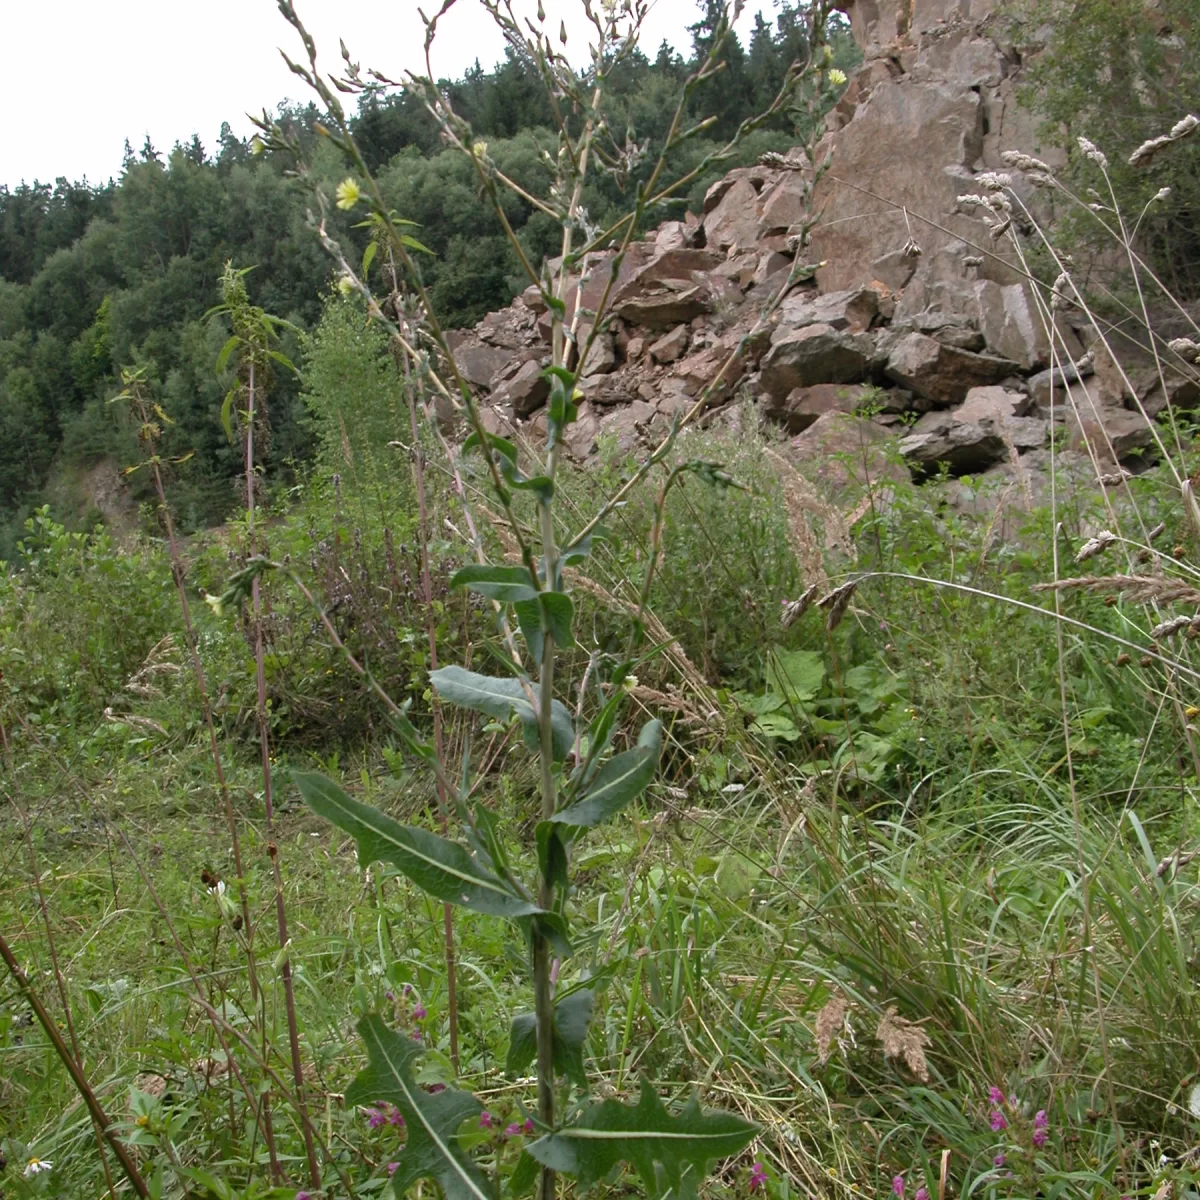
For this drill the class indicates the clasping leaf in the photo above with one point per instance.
(446, 870)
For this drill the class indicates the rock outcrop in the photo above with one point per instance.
(906, 335)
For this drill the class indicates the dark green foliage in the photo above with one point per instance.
(92, 278)
(1119, 73)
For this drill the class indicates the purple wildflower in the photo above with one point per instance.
(527, 1126)
(998, 1121)
(758, 1177)
(407, 991)
(303, 1196)
(395, 1118)
(416, 1037)
(376, 1117)
(1040, 1120)
(999, 1160)
(392, 1168)
(1039, 1139)
(485, 1120)
(434, 1088)
(922, 1194)
(995, 1097)
(512, 1130)
(419, 1013)
(898, 1186)
(390, 995)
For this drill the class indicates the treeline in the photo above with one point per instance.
(95, 278)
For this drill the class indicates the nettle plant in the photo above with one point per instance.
(583, 782)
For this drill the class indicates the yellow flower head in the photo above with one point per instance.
(345, 285)
(479, 149)
(836, 77)
(347, 194)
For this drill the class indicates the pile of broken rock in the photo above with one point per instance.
(962, 383)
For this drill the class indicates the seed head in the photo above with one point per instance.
(1093, 152)
(1023, 162)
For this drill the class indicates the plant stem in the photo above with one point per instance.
(63, 1051)
(264, 742)
(431, 633)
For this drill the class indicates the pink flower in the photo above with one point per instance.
(375, 1118)
(303, 1196)
(1039, 1139)
(512, 1130)
(485, 1120)
(995, 1097)
(392, 1168)
(999, 1160)
(998, 1121)
(416, 1037)
(898, 1186)
(1040, 1120)
(922, 1194)
(527, 1126)
(394, 1118)
(758, 1177)
(419, 1013)
(434, 1088)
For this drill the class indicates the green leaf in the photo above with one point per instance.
(577, 551)
(503, 698)
(776, 725)
(524, 1175)
(227, 415)
(670, 1152)
(226, 350)
(552, 854)
(571, 1016)
(443, 868)
(501, 446)
(431, 1120)
(797, 674)
(369, 257)
(622, 779)
(413, 244)
(506, 584)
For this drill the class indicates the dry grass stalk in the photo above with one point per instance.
(830, 1021)
(836, 603)
(804, 503)
(793, 610)
(1095, 545)
(1141, 589)
(906, 1040)
(675, 701)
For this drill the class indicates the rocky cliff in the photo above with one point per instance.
(916, 328)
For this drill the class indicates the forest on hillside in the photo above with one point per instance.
(97, 277)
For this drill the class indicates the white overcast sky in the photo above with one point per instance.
(91, 73)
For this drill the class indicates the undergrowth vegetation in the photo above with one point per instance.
(866, 824)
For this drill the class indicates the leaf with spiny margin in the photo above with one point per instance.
(671, 1152)
(432, 1121)
(506, 584)
(503, 698)
(571, 1016)
(446, 870)
(622, 779)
